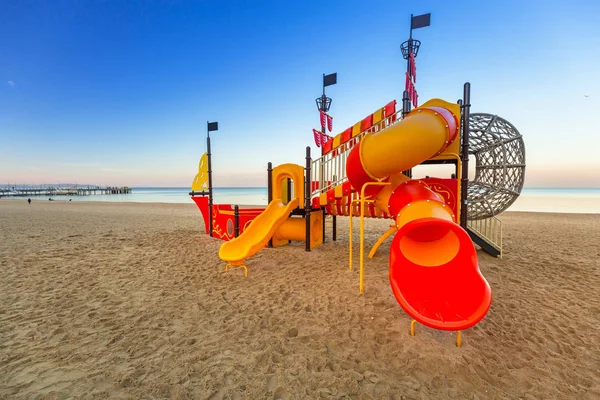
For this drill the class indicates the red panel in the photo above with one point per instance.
(331, 195)
(202, 203)
(390, 108)
(316, 202)
(347, 135)
(366, 123)
(327, 147)
(346, 187)
(221, 222)
(448, 189)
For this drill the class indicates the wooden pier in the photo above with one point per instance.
(68, 191)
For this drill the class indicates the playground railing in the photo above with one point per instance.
(490, 229)
(329, 170)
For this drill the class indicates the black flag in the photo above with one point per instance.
(420, 21)
(330, 79)
(213, 126)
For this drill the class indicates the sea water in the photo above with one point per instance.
(531, 199)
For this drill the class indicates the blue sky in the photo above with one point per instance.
(119, 93)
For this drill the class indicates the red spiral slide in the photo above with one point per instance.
(434, 273)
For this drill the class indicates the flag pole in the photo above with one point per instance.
(406, 100)
(410, 50)
(323, 105)
(210, 188)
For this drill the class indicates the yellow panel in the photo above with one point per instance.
(338, 192)
(356, 129)
(200, 182)
(377, 116)
(337, 140)
(296, 174)
(295, 229)
(323, 199)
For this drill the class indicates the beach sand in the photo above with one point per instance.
(106, 300)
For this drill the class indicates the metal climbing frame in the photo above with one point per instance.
(499, 153)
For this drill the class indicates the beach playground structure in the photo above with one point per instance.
(366, 172)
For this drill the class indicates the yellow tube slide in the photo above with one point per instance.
(422, 135)
(258, 233)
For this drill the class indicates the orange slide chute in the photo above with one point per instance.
(434, 271)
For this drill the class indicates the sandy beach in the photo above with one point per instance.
(128, 300)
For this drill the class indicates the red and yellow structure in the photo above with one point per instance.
(434, 273)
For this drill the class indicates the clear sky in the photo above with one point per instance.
(119, 93)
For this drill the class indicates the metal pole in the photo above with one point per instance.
(307, 193)
(210, 187)
(323, 224)
(323, 106)
(334, 229)
(464, 181)
(289, 194)
(406, 110)
(236, 221)
(270, 191)
(405, 103)
(460, 103)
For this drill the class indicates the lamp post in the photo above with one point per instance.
(410, 49)
(324, 102)
(323, 105)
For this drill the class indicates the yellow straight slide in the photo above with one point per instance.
(257, 234)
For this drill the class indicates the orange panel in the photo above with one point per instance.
(337, 140)
(378, 116)
(356, 129)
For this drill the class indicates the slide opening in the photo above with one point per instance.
(430, 244)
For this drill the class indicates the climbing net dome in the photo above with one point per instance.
(499, 153)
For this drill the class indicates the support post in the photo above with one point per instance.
(210, 187)
(405, 103)
(464, 180)
(270, 191)
(460, 103)
(236, 221)
(323, 225)
(289, 194)
(406, 110)
(307, 193)
(334, 236)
